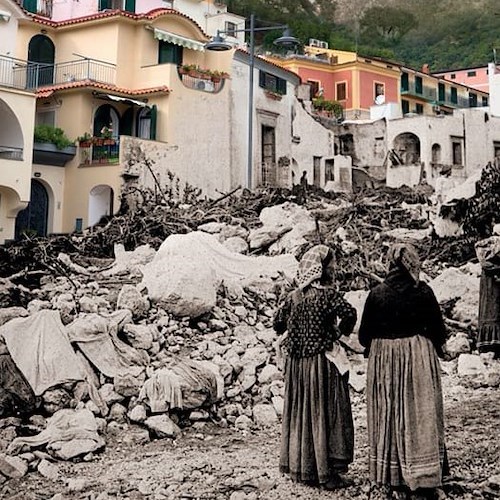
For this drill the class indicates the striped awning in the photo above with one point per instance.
(183, 41)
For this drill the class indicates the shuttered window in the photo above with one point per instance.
(272, 82)
(169, 53)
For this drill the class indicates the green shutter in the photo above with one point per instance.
(30, 5)
(104, 4)
(152, 127)
(130, 5)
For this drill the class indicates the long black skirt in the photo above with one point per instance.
(317, 431)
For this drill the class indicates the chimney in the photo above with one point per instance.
(425, 68)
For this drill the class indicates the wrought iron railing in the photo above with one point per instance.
(21, 74)
(423, 91)
(11, 153)
(100, 151)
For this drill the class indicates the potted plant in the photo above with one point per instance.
(51, 146)
(107, 136)
(85, 140)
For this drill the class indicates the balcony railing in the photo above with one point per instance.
(100, 151)
(423, 91)
(458, 102)
(11, 153)
(28, 75)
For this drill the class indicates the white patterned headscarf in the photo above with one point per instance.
(406, 255)
(311, 265)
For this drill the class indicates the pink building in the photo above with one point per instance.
(476, 77)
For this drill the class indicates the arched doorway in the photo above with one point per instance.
(41, 50)
(33, 219)
(100, 203)
(407, 146)
(106, 116)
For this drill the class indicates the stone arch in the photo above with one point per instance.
(100, 203)
(11, 132)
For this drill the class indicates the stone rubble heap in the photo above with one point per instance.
(233, 339)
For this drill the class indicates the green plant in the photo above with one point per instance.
(333, 107)
(86, 137)
(52, 135)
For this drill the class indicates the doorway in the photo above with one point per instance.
(33, 219)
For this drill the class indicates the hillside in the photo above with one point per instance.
(445, 34)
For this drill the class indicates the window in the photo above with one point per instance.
(315, 88)
(472, 100)
(341, 91)
(329, 170)
(419, 108)
(128, 5)
(453, 76)
(471, 73)
(456, 151)
(441, 92)
(45, 118)
(169, 53)
(231, 29)
(484, 100)
(418, 85)
(405, 83)
(379, 89)
(272, 83)
(405, 106)
(453, 95)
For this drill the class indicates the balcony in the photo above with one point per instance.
(39, 7)
(26, 75)
(422, 91)
(11, 153)
(203, 80)
(99, 151)
(457, 102)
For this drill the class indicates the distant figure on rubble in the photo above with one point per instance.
(403, 332)
(488, 252)
(317, 431)
(443, 184)
(303, 186)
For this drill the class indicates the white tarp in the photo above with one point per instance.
(40, 348)
(188, 268)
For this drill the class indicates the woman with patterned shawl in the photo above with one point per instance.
(317, 430)
(403, 333)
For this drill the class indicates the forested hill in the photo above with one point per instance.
(446, 34)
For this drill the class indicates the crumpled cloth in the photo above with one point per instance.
(69, 433)
(162, 391)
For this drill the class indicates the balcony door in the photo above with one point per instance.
(41, 55)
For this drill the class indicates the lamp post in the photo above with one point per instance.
(219, 44)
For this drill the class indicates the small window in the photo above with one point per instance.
(315, 88)
(453, 95)
(405, 82)
(472, 100)
(378, 89)
(419, 108)
(169, 53)
(484, 100)
(272, 82)
(456, 150)
(341, 91)
(419, 86)
(45, 118)
(453, 76)
(471, 73)
(405, 106)
(231, 29)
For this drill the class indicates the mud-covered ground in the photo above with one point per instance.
(209, 462)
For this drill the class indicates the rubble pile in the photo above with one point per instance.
(118, 352)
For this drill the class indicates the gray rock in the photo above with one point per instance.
(49, 470)
(162, 426)
(470, 364)
(278, 403)
(109, 395)
(12, 467)
(264, 415)
(269, 373)
(243, 422)
(137, 414)
(130, 298)
(140, 336)
(458, 344)
(128, 385)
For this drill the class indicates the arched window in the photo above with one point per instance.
(41, 55)
(106, 116)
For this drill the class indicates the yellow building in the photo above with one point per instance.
(102, 78)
